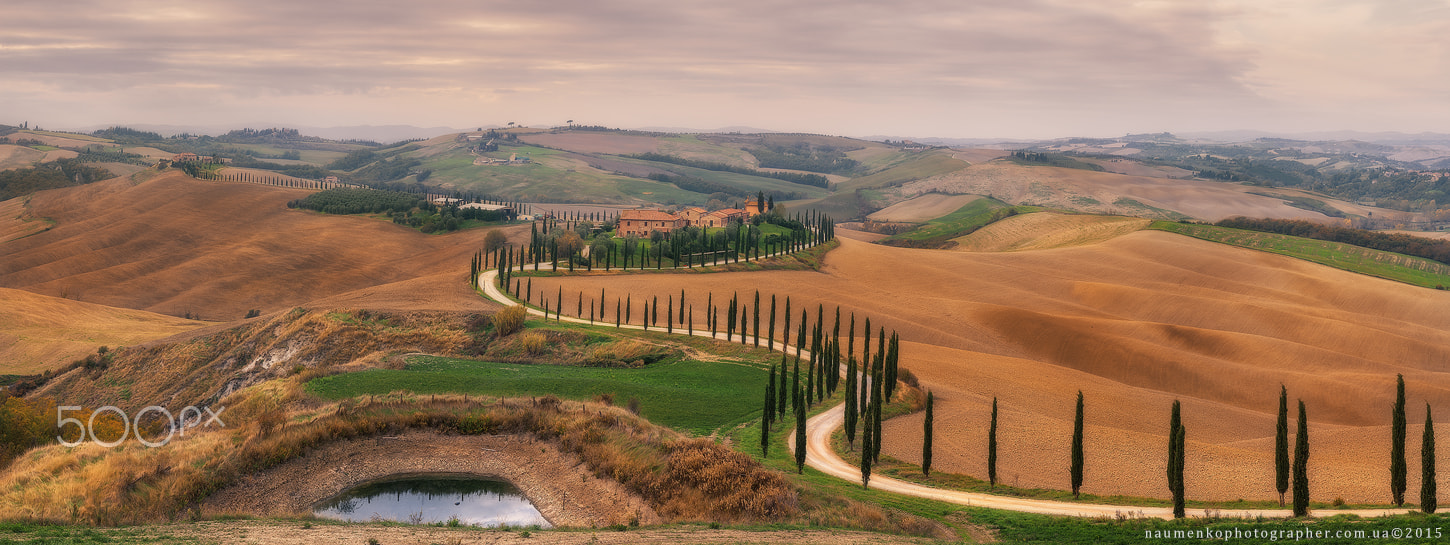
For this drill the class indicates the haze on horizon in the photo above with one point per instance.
(1014, 69)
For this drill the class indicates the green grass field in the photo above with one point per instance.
(548, 179)
(1391, 266)
(689, 395)
(740, 181)
(964, 221)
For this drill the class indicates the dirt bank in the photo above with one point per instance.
(558, 484)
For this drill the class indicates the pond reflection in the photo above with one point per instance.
(428, 500)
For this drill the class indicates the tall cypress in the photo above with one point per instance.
(992, 448)
(1301, 465)
(890, 371)
(800, 338)
(1077, 461)
(876, 405)
(730, 321)
(851, 338)
(866, 448)
(1281, 445)
(744, 319)
(851, 401)
(810, 381)
(1428, 500)
(926, 426)
(800, 434)
(670, 315)
(682, 307)
(654, 312)
(781, 390)
(1176, 435)
(785, 331)
(1398, 467)
(767, 414)
(770, 330)
(755, 317)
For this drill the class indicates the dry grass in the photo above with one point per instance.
(532, 342)
(1045, 230)
(38, 333)
(509, 320)
(174, 245)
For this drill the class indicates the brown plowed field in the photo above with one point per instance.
(1044, 230)
(924, 208)
(1134, 322)
(175, 245)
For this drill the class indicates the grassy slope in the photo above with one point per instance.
(742, 181)
(1397, 267)
(548, 179)
(960, 223)
(907, 168)
(686, 394)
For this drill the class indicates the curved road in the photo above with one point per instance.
(820, 456)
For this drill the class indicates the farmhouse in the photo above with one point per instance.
(722, 218)
(642, 222)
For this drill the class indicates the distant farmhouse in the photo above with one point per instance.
(643, 222)
(194, 158)
(513, 159)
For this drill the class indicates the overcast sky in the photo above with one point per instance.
(946, 68)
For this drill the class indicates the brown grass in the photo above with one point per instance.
(1045, 230)
(39, 333)
(175, 245)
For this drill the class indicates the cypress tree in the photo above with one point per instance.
(795, 383)
(890, 381)
(800, 435)
(1428, 498)
(670, 315)
(851, 338)
(800, 337)
(767, 414)
(690, 326)
(1398, 468)
(744, 319)
(866, 344)
(992, 448)
(926, 437)
(755, 315)
(644, 315)
(579, 310)
(781, 390)
(1077, 461)
(1176, 435)
(616, 314)
(654, 312)
(851, 401)
(880, 437)
(682, 307)
(627, 311)
(730, 321)
(770, 331)
(1301, 465)
(785, 331)
(529, 295)
(866, 448)
(810, 381)
(1281, 445)
(558, 306)
(835, 373)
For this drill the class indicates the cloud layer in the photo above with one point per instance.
(915, 67)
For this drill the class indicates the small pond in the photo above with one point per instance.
(435, 499)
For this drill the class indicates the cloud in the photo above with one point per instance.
(759, 62)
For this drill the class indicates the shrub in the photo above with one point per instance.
(509, 320)
(533, 342)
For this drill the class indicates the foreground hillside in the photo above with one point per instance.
(175, 245)
(1135, 322)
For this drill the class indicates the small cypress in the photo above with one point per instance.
(1398, 468)
(800, 434)
(1428, 498)
(992, 448)
(926, 437)
(1077, 461)
(1301, 465)
(1281, 445)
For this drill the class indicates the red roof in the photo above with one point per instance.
(647, 215)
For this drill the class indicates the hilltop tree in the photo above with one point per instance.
(1428, 498)
(992, 448)
(1077, 461)
(1398, 469)
(1301, 465)
(926, 430)
(1281, 445)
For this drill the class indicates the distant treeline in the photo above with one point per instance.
(58, 173)
(690, 183)
(815, 180)
(1053, 159)
(361, 201)
(1437, 250)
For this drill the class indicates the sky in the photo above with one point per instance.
(924, 68)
